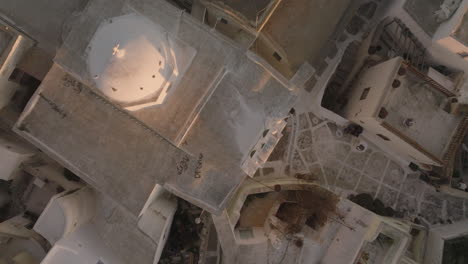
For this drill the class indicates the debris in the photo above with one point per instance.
(354, 130)
(312, 207)
(374, 205)
(183, 243)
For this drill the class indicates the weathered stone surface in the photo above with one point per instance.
(376, 165)
(316, 171)
(413, 185)
(309, 155)
(332, 169)
(432, 213)
(367, 185)
(338, 133)
(106, 147)
(407, 205)
(314, 120)
(321, 134)
(326, 151)
(297, 163)
(303, 122)
(357, 159)
(113, 151)
(342, 150)
(348, 178)
(394, 175)
(454, 206)
(304, 140)
(433, 198)
(116, 227)
(387, 195)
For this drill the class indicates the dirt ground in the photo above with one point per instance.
(312, 207)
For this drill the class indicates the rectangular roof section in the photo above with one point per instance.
(417, 100)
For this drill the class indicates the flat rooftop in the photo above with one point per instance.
(316, 22)
(422, 11)
(433, 127)
(217, 111)
(461, 33)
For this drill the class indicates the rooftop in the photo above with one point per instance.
(222, 104)
(424, 13)
(416, 99)
(219, 106)
(461, 33)
(318, 22)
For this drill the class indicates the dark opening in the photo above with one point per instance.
(383, 137)
(455, 251)
(463, 54)
(364, 94)
(396, 83)
(383, 113)
(277, 56)
(16, 76)
(29, 85)
(224, 21)
(69, 175)
(312, 221)
(413, 166)
(401, 71)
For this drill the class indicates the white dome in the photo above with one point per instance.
(129, 59)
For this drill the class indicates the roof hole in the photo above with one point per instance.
(401, 71)
(383, 113)
(277, 56)
(364, 94)
(113, 89)
(154, 76)
(372, 50)
(141, 88)
(396, 83)
(277, 188)
(383, 137)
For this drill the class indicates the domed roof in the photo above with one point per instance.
(129, 59)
